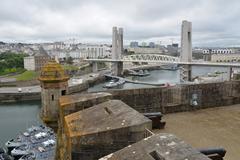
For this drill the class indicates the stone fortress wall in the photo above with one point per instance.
(179, 98)
(167, 100)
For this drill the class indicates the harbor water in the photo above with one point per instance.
(16, 118)
(165, 76)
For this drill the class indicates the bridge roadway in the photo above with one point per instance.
(193, 63)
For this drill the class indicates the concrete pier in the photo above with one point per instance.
(186, 50)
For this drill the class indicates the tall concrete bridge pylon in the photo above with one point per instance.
(186, 50)
(117, 49)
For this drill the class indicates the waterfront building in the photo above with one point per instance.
(225, 57)
(83, 51)
(221, 55)
(37, 61)
(172, 49)
(151, 44)
(218, 51)
(146, 50)
(29, 63)
(133, 44)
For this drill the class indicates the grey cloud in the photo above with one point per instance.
(215, 22)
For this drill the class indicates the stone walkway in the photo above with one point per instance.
(214, 127)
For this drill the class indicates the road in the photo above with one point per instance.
(32, 89)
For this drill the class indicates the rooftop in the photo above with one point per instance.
(41, 52)
(53, 72)
(157, 147)
(110, 115)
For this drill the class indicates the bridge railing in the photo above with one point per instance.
(150, 57)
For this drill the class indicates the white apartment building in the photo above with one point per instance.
(84, 51)
(218, 51)
(29, 63)
(225, 57)
(146, 50)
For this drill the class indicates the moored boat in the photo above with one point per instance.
(37, 142)
(140, 73)
(113, 83)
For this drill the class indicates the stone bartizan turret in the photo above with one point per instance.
(54, 84)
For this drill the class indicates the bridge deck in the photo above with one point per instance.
(194, 63)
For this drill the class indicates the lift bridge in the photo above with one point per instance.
(185, 68)
(184, 61)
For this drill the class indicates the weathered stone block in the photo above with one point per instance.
(158, 147)
(103, 129)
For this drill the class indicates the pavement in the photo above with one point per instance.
(206, 128)
(4, 79)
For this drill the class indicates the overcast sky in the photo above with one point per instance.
(215, 22)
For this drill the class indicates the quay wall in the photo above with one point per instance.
(180, 98)
(13, 97)
(160, 99)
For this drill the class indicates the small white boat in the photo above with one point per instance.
(113, 83)
(140, 73)
(20, 151)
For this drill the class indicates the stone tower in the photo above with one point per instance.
(54, 84)
(186, 42)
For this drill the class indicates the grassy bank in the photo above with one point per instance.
(11, 71)
(70, 67)
(27, 75)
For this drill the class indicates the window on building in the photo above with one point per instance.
(189, 37)
(52, 97)
(63, 92)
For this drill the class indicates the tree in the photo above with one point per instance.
(9, 62)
